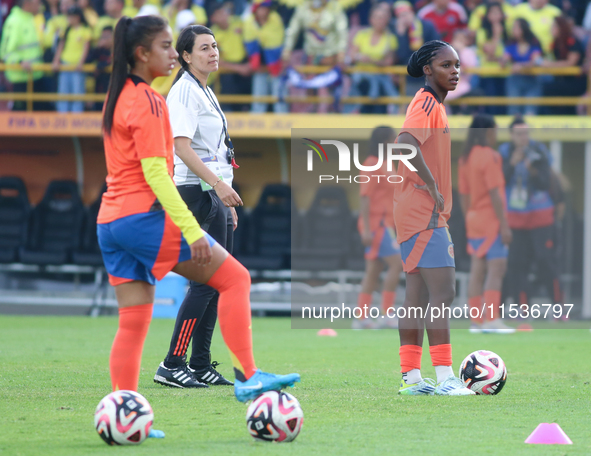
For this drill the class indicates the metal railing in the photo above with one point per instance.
(30, 96)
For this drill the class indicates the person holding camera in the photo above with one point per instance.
(531, 213)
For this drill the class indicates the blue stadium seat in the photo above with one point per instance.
(55, 225)
(15, 210)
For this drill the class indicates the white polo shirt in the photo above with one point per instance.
(193, 115)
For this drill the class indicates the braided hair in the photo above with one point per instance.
(424, 56)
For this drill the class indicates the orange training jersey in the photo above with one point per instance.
(141, 129)
(380, 193)
(415, 210)
(477, 175)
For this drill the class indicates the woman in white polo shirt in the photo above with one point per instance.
(203, 172)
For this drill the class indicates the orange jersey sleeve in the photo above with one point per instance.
(415, 211)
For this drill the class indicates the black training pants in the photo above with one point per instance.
(529, 247)
(198, 313)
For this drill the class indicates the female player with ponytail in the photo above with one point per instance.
(145, 229)
(481, 185)
(423, 206)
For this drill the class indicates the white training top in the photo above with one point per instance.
(193, 115)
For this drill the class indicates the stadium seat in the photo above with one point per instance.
(457, 230)
(355, 260)
(326, 232)
(89, 253)
(270, 230)
(15, 210)
(241, 232)
(55, 225)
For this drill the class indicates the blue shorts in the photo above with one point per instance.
(142, 247)
(496, 250)
(383, 244)
(428, 249)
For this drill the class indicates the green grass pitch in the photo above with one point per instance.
(54, 371)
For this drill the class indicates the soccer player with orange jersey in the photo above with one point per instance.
(376, 227)
(423, 206)
(145, 229)
(481, 184)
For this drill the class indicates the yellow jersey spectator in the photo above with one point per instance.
(90, 14)
(325, 29)
(56, 26)
(73, 50)
(263, 38)
(228, 31)
(492, 36)
(114, 10)
(475, 21)
(540, 16)
(172, 10)
(374, 47)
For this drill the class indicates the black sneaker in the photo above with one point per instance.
(211, 376)
(178, 377)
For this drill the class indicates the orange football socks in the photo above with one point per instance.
(362, 300)
(126, 352)
(410, 357)
(232, 280)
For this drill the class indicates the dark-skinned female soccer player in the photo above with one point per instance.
(423, 206)
(145, 229)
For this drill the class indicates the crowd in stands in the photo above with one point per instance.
(259, 40)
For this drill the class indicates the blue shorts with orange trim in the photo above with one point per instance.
(428, 249)
(142, 247)
(496, 250)
(383, 244)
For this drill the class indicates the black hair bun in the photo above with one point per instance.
(413, 68)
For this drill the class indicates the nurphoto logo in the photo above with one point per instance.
(387, 153)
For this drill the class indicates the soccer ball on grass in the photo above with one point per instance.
(274, 416)
(123, 418)
(483, 372)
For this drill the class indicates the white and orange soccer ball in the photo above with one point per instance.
(123, 418)
(275, 416)
(483, 372)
